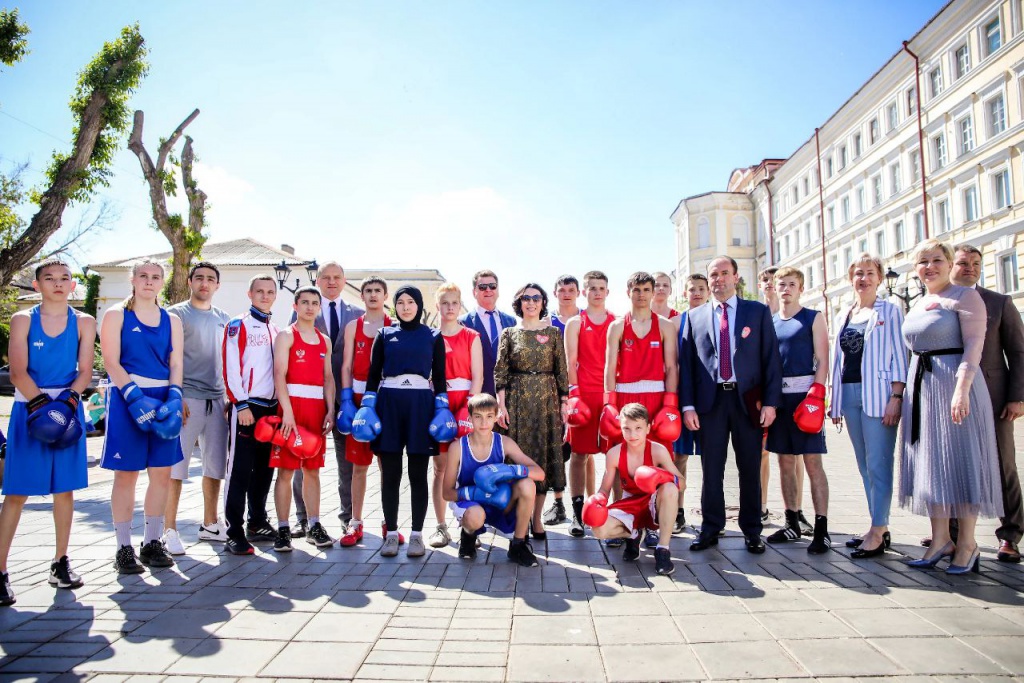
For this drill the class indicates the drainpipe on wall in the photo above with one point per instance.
(821, 210)
(920, 138)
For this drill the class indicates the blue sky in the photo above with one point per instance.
(533, 138)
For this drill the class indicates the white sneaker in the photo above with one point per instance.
(441, 537)
(172, 542)
(390, 547)
(213, 532)
(416, 546)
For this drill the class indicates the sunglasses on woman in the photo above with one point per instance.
(536, 298)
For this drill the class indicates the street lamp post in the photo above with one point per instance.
(282, 271)
(903, 294)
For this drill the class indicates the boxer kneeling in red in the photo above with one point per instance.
(305, 392)
(650, 490)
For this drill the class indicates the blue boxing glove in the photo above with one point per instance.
(74, 432)
(47, 420)
(170, 416)
(142, 408)
(443, 427)
(366, 424)
(489, 477)
(499, 499)
(348, 411)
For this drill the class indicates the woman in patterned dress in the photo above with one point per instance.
(531, 382)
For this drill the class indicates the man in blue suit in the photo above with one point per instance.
(488, 321)
(730, 383)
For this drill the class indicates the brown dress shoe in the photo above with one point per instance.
(1008, 552)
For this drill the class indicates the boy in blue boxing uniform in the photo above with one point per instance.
(50, 350)
(142, 351)
(489, 490)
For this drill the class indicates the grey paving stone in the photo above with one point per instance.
(225, 657)
(185, 623)
(551, 662)
(633, 605)
(850, 598)
(651, 663)
(309, 660)
(797, 625)
(619, 631)
(134, 654)
(721, 628)
(845, 657)
(970, 621)
(467, 673)
(942, 656)
(1004, 650)
(702, 603)
(393, 672)
(36, 665)
(350, 627)
(545, 629)
(251, 624)
(891, 623)
(552, 603)
(751, 659)
(779, 601)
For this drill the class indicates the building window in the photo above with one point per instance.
(873, 131)
(703, 233)
(842, 157)
(966, 130)
(860, 200)
(912, 101)
(807, 233)
(829, 167)
(996, 110)
(1001, 189)
(740, 232)
(796, 195)
(939, 147)
(915, 166)
(942, 219)
(963, 61)
(778, 250)
(834, 263)
(893, 114)
(831, 217)
(844, 209)
(807, 185)
(935, 81)
(897, 236)
(895, 182)
(1008, 275)
(919, 227)
(880, 244)
(857, 147)
(862, 246)
(876, 190)
(787, 251)
(970, 196)
(847, 257)
(993, 37)
(810, 276)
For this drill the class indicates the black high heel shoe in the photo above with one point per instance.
(856, 542)
(861, 554)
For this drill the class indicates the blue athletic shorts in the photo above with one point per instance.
(503, 521)
(405, 416)
(688, 443)
(785, 437)
(33, 468)
(129, 448)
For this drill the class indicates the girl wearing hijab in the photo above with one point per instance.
(406, 389)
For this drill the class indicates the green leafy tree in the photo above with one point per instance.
(13, 37)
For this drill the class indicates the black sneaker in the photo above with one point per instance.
(663, 561)
(256, 533)
(651, 538)
(6, 593)
(790, 532)
(521, 553)
(631, 549)
(556, 513)
(576, 529)
(467, 546)
(239, 546)
(318, 536)
(822, 542)
(283, 543)
(154, 554)
(62, 576)
(805, 527)
(301, 529)
(680, 525)
(125, 561)
(766, 516)
(613, 542)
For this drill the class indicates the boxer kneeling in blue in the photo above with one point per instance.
(497, 490)
(51, 349)
(142, 350)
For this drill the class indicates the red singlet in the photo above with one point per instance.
(359, 452)
(640, 359)
(305, 379)
(590, 353)
(459, 359)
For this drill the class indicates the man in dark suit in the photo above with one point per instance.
(488, 321)
(1002, 361)
(730, 383)
(334, 315)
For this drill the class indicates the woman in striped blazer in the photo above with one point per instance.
(869, 373)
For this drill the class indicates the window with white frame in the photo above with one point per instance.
(915, 165)
(833, 263)
(787, 251)
(942, 218)
(965, 131)
(892, 116)
(740, 231)
(993, 38)
(895, 179)
(796, 194)
(847, 257)
(778, 249)
(807, 233)
(873, 131)
(842, 157)
(962, 61)
(876, 190)
(880, 244)
(1000, 189)
(844, 209)
(995, 111)
(970, 198)
(807, 185)
(862, 245)
(1009, 277)
(919, 227)
(831, 212)
(860, 200)
(703, 233)
(935, 81)
(939, 151)
(911, 101)
(777, 208)
(829, 170)
(898, 240)
(810, 276)
(857, 146)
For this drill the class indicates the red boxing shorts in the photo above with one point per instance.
(651, 400)
(636, 512)
(586, 439)
(309, 413)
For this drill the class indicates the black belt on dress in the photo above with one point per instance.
(924, 364)
(532, 372)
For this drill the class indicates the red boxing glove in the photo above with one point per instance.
(595, 510)
(648, 479)
(609, 426)
(265, 428)
(301, 442)
(464, 421)
(577, 412)
(668, 422)
(809, 416)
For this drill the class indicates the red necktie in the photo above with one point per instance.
(724, 350)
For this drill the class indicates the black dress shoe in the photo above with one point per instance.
(862, 554)
(854, 542)
(886, 540)
(703, 542)
(755, 545)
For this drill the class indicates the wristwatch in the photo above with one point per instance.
(898, 397)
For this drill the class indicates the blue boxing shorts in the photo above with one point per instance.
(33, 468)
(688, 443)
(405, 416)
(504, 521)
(129, 448)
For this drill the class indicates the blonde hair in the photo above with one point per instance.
(129, 303)
(445, 288)
(866, 258)
(929, 245)
(635, 411)
(789, 271)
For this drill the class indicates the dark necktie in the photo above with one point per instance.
(335, 323)
(724, 348)
(494, 328)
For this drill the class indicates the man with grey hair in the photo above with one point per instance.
(1002, 361)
